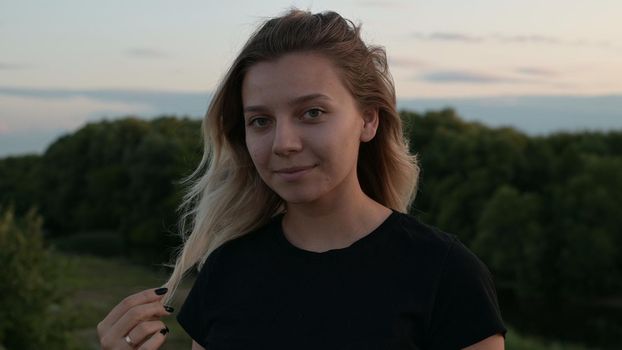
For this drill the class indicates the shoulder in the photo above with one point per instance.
(463, 307)
(442, 255)
(425, 240)
(416, 229)
(455, 255)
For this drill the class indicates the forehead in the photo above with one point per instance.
(290, 76)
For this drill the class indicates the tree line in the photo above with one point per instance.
(543, 212)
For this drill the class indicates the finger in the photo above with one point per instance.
(135, 315)
(144, 330)
(142, 297)
(156, 340)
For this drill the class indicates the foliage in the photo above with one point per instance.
(517, 341)
(19, 182)
(114, 176)
(32, 297)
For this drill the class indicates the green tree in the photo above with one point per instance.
(20, 182)
(32, 296)
(120, 177)
(512, 241)
(586, 212)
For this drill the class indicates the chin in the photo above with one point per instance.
(297, 197)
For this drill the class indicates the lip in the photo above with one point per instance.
(293, 169)
(294, 173)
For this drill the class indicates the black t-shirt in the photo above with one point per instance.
(405, 285)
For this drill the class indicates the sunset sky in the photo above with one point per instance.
(58, 57)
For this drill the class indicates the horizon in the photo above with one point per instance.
(533, 115)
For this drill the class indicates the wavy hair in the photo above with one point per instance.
(226, 198)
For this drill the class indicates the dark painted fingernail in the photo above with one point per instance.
(164, 330)
(161, 291)
(169, 308)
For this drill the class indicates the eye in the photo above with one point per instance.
(259, 122)
(314, 113)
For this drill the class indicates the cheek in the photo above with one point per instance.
(341, 142)
(257, 151)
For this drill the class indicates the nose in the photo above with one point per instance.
(286, 138)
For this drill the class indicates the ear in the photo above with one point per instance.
(370, 124)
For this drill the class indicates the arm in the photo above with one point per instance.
(494, 342)
(196, 346)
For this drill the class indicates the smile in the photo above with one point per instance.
(294, 174)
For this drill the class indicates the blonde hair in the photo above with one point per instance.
(226, 197)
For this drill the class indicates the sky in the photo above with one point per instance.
(65, 63)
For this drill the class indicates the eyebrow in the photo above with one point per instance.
(293, 102)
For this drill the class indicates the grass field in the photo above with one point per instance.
(98, 284)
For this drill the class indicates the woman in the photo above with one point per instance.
(299, 214)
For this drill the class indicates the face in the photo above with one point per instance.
(303, 128)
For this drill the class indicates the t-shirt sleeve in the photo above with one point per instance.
(465, 309)
(194, 315)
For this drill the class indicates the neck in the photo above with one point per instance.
(331, 223)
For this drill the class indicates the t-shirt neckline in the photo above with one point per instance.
(365, 240)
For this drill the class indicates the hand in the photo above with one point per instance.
(135, 323)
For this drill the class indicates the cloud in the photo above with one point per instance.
(21, 113)
(447, 36)
(29, 141)
(549, 40)
(511, 39)
(32, 118)
(457, 76)
(143, 52)
(12, 66)
(536, 115)
(406, 62)
(162, 102)
(537, 72)
(376, 3)
(530, 39)
(4, 128)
